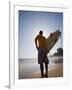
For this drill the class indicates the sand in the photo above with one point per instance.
(56, 71)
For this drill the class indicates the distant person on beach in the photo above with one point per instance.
(40, 42)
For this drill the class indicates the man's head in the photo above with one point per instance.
(40, 32)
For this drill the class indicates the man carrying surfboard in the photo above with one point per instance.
(40, 42)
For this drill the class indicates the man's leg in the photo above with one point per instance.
(46, 68)
(42, 70)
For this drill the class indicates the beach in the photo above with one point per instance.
(54, 72)
(29, 69)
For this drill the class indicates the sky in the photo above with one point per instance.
(30, 23)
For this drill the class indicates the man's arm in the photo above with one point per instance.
(36, 43)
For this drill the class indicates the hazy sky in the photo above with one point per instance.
(30, 23)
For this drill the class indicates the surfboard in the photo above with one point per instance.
(52, 39)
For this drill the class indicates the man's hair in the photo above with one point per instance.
(40, 32)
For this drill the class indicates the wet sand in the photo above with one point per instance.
(56, 71)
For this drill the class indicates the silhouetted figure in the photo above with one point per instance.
(40, 42)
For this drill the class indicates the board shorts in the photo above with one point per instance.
(42, 56)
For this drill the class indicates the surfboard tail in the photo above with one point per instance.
(58, 31)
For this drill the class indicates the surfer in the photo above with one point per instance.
(40, 42)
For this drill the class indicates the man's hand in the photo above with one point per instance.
(47, 51)
(37, 48)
